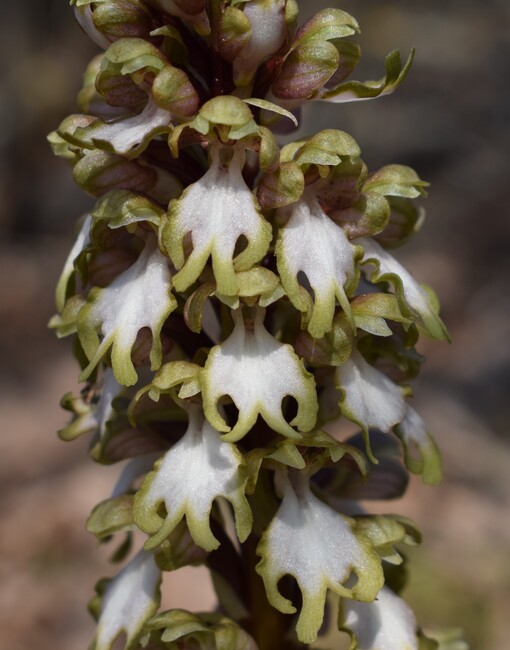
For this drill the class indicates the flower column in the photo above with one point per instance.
(228, 298)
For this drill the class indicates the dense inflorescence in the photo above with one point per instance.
(229, 297)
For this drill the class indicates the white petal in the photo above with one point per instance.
(129, 600)
(193, 473)
(413, 294)
(386, 624)
(217, 210)
(257, 372)
(132, 470)
(130, 134)
(83, 15)
(312, 243)
(139, 297)
(370, 398)
(81, 242)
(268, 35)
(310, 541)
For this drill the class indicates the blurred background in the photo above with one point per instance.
(451, 122)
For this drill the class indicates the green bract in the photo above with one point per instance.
(229, 297)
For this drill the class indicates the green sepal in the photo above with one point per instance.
(281, 187)
(178, 628)
(326, 148)
(125, 209)
(112, 516)
(405, 220)
(325, 25)
(306, 453)
(258, 285)
(168, 377)
(99, 172)
(306, 69)
(226, 116)
(396, 180)
(116, 19)
(66, 322)
(234, 32)
(385, 531)
(371, 311)
(367, 216)
(173, 91)
(333, 349)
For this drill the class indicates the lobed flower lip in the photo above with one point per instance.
(311, 243)
(388, 623)
(216, 211)
(137, 298)
(319, 548)
(130, 599)
(194, 472)
(369, 398)
(257, 372)
(413, 298)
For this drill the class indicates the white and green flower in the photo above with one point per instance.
(137, 298)
(387, 623)
(193, 473)
(311, 243)
(321, 549)
(257, 372)
(215, 212)
(129, 600)
(413, 298)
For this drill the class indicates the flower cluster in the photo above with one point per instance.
(228, 298)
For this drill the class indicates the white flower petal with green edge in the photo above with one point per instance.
(257, 372)
(132, 470)
(386, 624)
(311, 243)
(139, 297)
(355, 91)
(369, 398)
(83, 12)
(216, 210)
(80, 243)
(193, 473)
(412, 296)
(129, 600)
(127, 136)
(318, 547)
(267, 18)
(413, 434)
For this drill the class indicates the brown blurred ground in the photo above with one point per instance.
(450, 121)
